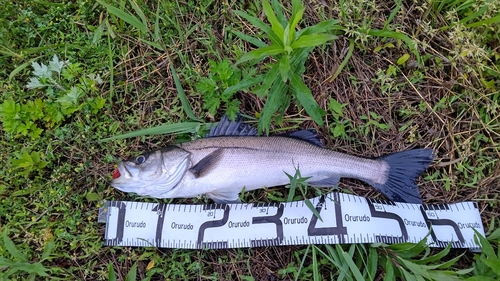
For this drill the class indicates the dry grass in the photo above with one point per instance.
(448, 127)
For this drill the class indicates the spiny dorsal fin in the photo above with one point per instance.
(227, 127)
(309, 135)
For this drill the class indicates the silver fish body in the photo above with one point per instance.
(221, 166)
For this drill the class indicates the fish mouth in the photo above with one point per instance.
(117, 173)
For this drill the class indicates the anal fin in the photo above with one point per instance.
(326, 182)
(224, 197)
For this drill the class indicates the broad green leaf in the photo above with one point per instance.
(132, 274)
(260, 24)
(98, 33)
(11, 248)
(416, 269)
(485, 245)
(313, 209)
(493, 263)
(128, 18)
(354, 269)
(271, 17)
(306, 99)
(111, 273)
(176, 128)
(261, 53)
(284, 67)
(47, 250)
(279, 12)
(36, 268)
(389, 271)
(435, 257)
(312, 40)
(269, 78)
(92, 196)
(297, 13)
(242, 85)
(372, 263)
(402, 60)
(276, 99)
(322, 27)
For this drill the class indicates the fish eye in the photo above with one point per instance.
(140, 159)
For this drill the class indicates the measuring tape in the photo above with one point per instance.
(343, 219)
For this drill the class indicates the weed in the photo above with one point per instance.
(290, 49)
(222, 83)
(62, 98)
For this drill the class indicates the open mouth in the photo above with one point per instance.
(116, 174)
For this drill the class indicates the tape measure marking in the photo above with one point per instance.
(342, 219)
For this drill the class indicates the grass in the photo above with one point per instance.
(399, 75)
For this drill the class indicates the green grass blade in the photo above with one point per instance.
(352, 266)
(277, 99)
(176, 128)
(486, 22)
(306, 99)
(397, 35)
(139, 12)
(313, 209)
(313, 40)
(394, 12)
(250, 39)
(315, 266)
(180, 92)
(128, 18)
(21, 68)
(264, 27)
(344, 62)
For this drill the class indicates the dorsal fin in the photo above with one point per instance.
(227, 127)
(309, 135)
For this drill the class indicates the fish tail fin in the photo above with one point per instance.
(404, 168)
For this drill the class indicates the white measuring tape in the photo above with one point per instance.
(344, 219)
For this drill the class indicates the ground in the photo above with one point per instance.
(399, 75)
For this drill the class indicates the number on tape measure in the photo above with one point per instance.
(342, 219)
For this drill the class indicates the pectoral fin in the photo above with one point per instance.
(224, 197)
(207, 163)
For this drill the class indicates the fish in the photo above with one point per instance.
(233, 158)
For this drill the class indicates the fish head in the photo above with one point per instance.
(152, 174)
